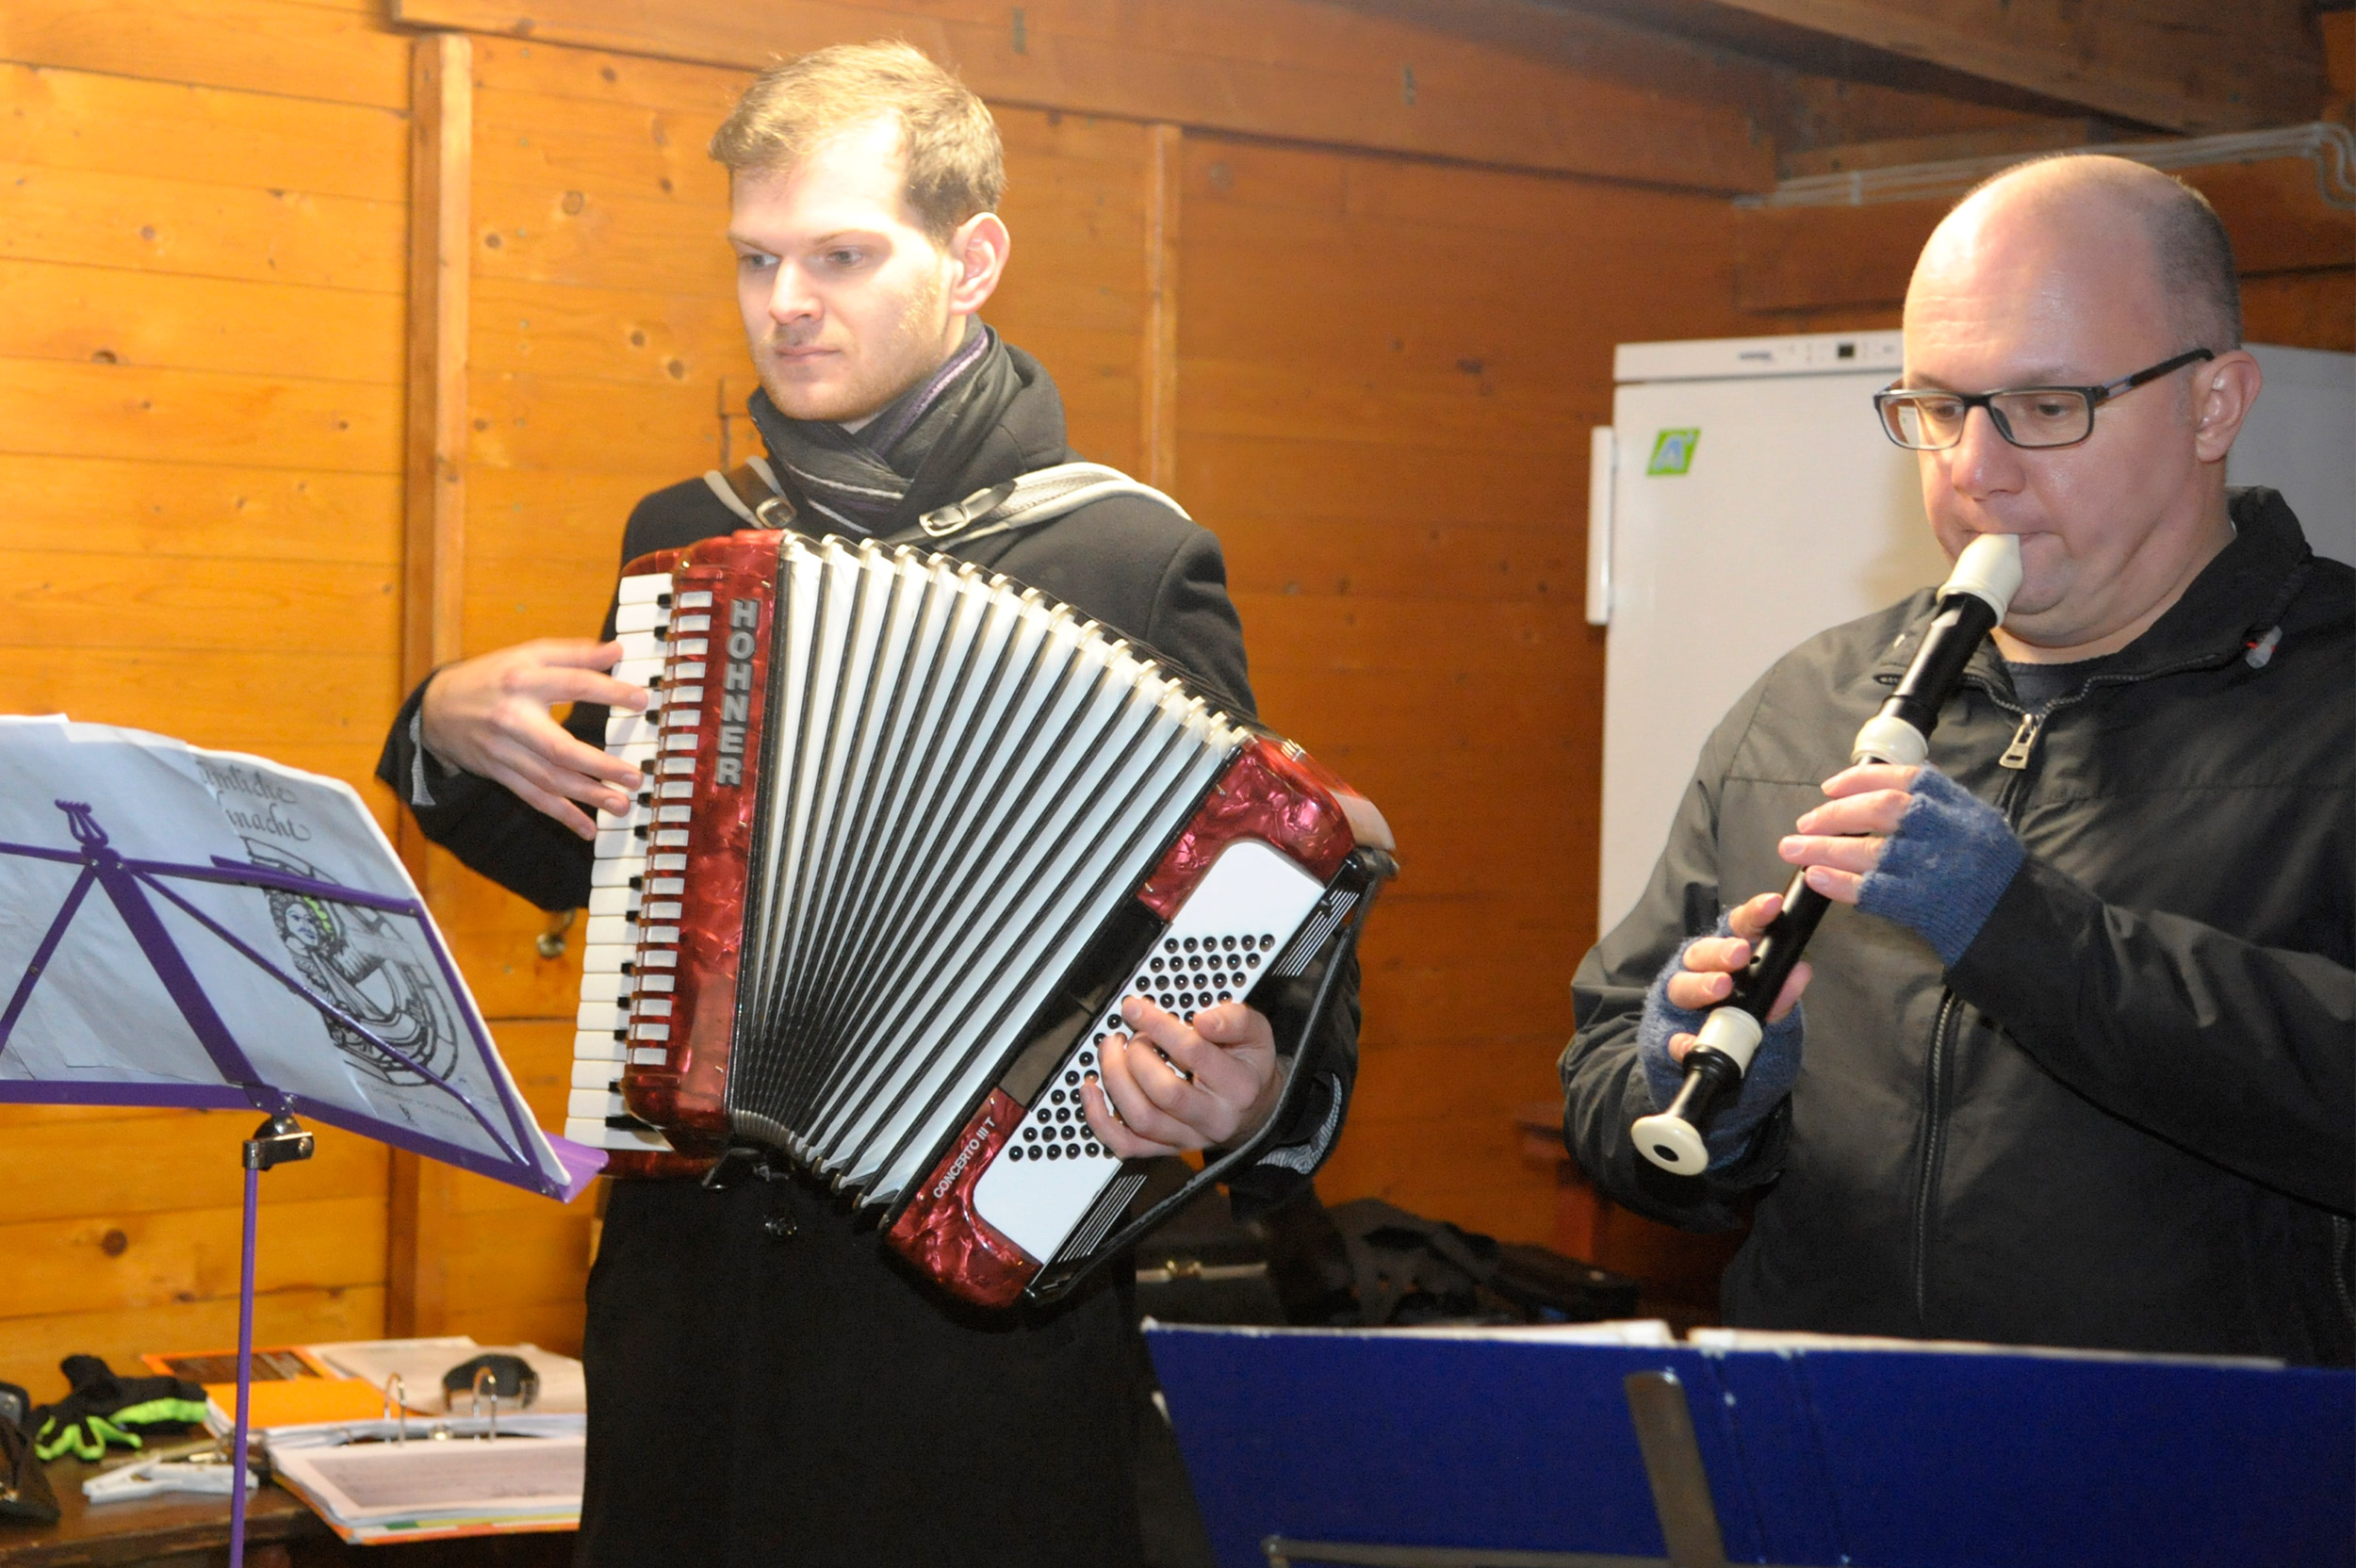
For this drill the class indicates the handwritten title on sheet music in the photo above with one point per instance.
(227, 780)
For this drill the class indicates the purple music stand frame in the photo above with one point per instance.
(127, 884)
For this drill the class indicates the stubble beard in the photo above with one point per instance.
(879, 373)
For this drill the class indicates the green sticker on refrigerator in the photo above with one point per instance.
(1673, 452)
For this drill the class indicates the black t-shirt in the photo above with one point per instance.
(2041, 686)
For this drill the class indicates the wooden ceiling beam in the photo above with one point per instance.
(1290, 69)
(2195, 65)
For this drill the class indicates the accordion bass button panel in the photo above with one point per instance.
(1240, 916)
(618, 889)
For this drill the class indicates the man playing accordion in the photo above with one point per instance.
(765, 1384)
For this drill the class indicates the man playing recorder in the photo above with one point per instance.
(2075, 1067)
(765, 1383)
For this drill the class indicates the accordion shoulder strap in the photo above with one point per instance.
(1039, 497)
(751, 491)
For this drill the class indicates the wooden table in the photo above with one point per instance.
(281, 1531)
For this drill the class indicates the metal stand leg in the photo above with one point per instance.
(277, 1141)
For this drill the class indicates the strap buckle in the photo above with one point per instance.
(942, 521)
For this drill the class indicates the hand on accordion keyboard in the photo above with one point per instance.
(1177, 1086)
(489, 715)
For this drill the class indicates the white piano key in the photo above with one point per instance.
(637, 815)
(603, 987)
(599, 1102)
(593, 1045)
(591, 1017)
(618, 929)
(618, 843)
(606, 958)
(623, 727)
(641, 645)
(643, 589)
(612, 901)
(596, 1134)
(594, 1075)
(615, 871)
(643, 616)
(638, 672)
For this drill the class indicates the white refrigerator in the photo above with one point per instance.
(1744, 498)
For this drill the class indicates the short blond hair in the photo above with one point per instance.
(956, 166)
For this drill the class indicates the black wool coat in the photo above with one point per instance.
(2126, 1117)
(769, 1386)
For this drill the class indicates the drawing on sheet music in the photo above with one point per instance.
(361, 961)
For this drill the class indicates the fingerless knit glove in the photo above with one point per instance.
(1942, 873)
(1765, 1082)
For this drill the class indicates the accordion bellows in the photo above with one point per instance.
(910, 834)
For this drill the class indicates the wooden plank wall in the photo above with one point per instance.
(1371, 373)
(1387, 373)
(201, 213)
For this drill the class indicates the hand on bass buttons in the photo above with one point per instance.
(1180, 1086)
(489, 716)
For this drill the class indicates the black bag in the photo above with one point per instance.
(24, 1491)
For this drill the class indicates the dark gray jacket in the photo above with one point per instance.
(2127, 1117)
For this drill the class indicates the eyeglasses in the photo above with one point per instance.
(2032, 417)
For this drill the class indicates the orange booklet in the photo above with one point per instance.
(290, 1385)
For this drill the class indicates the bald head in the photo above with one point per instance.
(2132, 215)
(2085, 272)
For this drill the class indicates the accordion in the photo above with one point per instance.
(908, 835)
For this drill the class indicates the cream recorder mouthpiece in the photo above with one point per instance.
(1988, 570)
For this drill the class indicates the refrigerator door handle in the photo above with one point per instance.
(1602, 454)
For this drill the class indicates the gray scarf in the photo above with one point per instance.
(911, 458)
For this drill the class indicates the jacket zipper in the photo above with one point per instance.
(1934, 1137)
(2016, 758)
(2340, 1229)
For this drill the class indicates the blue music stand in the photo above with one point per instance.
(128, 1018)
(1407, 1449)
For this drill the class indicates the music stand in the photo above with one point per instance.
(292, 969)
(1537, 1448)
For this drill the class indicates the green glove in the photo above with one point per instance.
(104, 1409)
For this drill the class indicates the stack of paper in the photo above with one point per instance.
(447, 1478)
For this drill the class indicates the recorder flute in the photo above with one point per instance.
(1969, 605)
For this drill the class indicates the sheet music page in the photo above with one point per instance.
(421, 1478)
(101, 1012)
